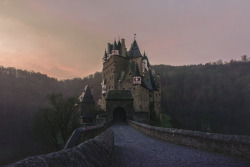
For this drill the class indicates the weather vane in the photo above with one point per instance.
(134, 36)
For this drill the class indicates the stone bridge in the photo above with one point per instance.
(135, 144)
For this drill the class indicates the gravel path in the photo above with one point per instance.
(134, 149)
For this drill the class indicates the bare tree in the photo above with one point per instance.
(61, 117)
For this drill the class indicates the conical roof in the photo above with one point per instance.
(119, 45)
(136, 70)
(115, 45)
(86, 96)
(134, 50)
(144, 56)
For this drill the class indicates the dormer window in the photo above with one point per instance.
(137, 80)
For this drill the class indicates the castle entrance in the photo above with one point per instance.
(119, 115)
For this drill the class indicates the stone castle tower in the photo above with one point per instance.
(130, 90)
(87, 106)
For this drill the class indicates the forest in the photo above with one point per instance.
(210, 97)
(22, 95)
(213, 97)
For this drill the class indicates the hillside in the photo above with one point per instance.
(209, 97)
(22, 94)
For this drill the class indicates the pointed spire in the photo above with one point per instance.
(119, 45)
(115, 45)
(105, 54)
(136, 70)
(144, 56)
(134, 50)
(86, 96)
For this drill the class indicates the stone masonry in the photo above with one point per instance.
(130, 71)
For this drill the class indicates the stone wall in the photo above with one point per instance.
(96, 152)
(228, 144)
(141, 98)
(127, 105)
(142, 117)
(112, 69)
(85, 133)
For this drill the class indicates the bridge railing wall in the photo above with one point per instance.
(228, 144)
(85, 133)
(87, 146)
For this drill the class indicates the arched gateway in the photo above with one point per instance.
(119, 115)
(119, 105)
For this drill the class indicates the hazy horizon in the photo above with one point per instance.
(67, 39)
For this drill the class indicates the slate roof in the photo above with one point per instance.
(119, 95)
(133, 69)
(144, 56)
(136, 70)
(115, 46)
(86, 96)
(149, 82)
(119, 45)
(134, 50)
(110, 47)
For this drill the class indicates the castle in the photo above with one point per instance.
(130, 90)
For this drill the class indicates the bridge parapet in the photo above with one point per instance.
(85, 133)
(97, 151)
(228, 144)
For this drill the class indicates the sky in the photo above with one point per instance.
(67, 38)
